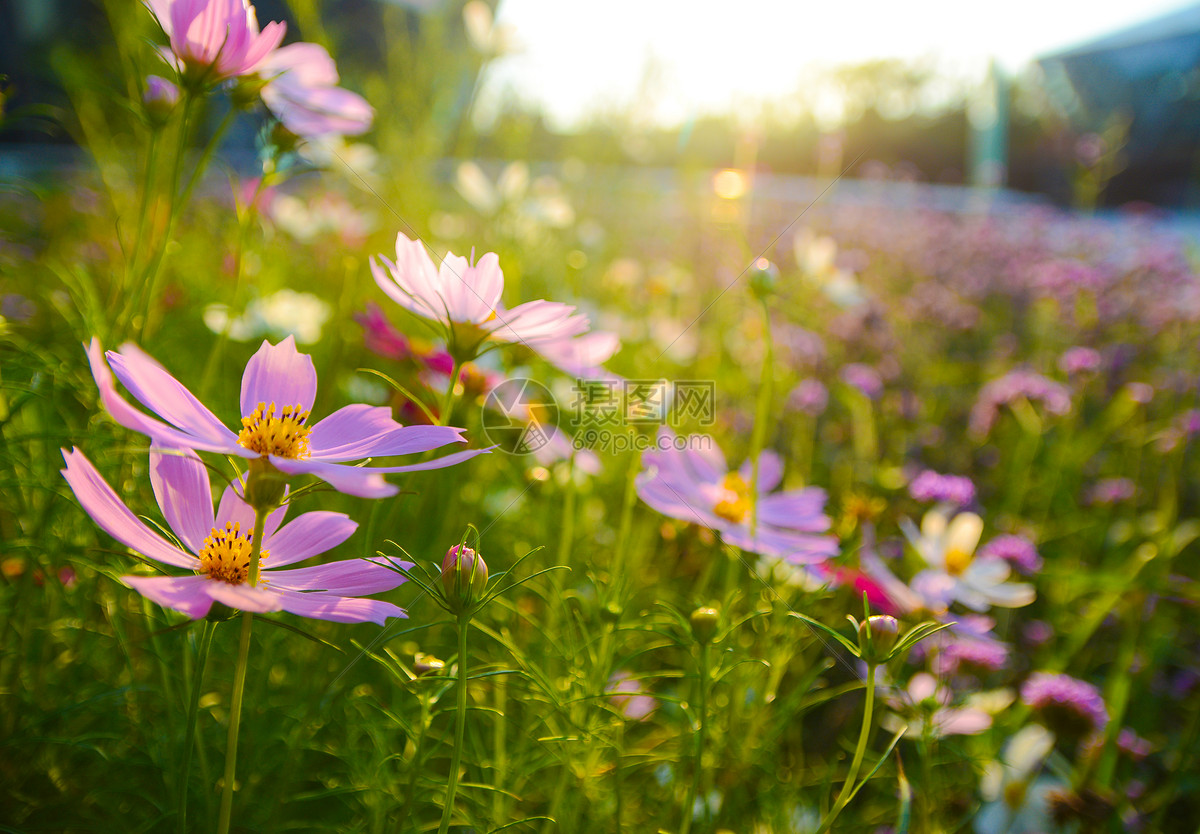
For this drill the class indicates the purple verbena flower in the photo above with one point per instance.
(932, 486)
(1078, 360)
(809, 396)
(216, 547)
(864, 378)
(1011, 387)
(278, 389)
(1109, 491)
(1071, 708)
(1016, 550)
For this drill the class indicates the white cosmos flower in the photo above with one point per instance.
(954, 574)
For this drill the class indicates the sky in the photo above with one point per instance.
(672, 59)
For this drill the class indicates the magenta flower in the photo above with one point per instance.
(689, 480)
(278, 389)
(216, 39)
(933, 486)
(1016, 550)
(302, 92)
(216, 548)
(1070, 707)
(464, 298)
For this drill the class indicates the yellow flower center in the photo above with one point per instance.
(225, 555)
(284, 435)
(957, 561)
(736, 505)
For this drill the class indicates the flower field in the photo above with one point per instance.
(352, 481)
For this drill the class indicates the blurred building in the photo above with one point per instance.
(1138, 89)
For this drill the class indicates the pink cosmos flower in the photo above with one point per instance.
(464, 298)
(690, 481)
(302, 91)
(216, 39)
(278, 389)
(630, 696)
(925, 705)
(217, 547)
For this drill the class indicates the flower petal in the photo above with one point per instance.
(339, 609)
(113, 517)
(797, 509)
(186, 594)
(770, 471)
(306, 536)
(363, 481)
(184, 495)
(259, 599)
(349, 577)
(234, 508)
(129, 417)
(359, 431)
(281, 375)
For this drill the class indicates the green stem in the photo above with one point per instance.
(460, 725)
(859, 751)
(414, 766)
(178, 201)
(214, 356)
(448, 401)
(239, 678)
(620, 745)
(761, 415)
(689, 803)
(193, 711)
(143, 210)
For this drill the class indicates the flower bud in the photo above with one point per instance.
(159, 100)
(876, 636)
(764, 278)
(611, 613)
(464, 573)
(265, 485)
(427, 664)
(704, 623)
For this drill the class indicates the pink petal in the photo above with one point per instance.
(366, 482)
(129, 417)
(186, 594)
(234, 508)
(259, 599)
(339, 609)
(360, 431)
(350, 577)
(471, 293)
(306, 64)
(184, 495)
(266, 42)
(770, 471)
(797, 509)
(306, 536)
(113, 517)
(538, 321)
(281, 375)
